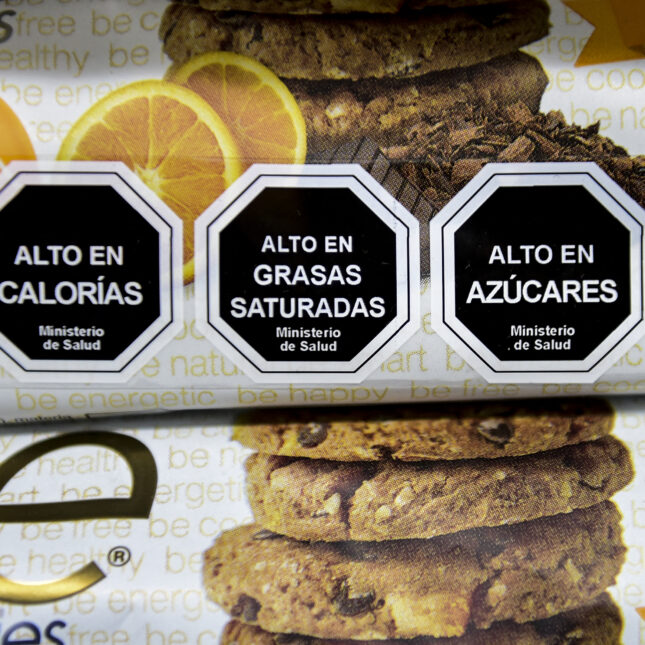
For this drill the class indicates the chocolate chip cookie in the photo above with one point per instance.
(598, 623)
(358, 46)
(331, 6)
(403, 589)
(386, 110)
(422, 432)
(314, 499)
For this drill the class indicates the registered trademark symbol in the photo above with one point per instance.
(119, 556)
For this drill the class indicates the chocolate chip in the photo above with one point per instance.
(312, 435)
(258, 35)
(347, 605)
(246, 608)
(496, 431)
(382, 452)
(265, 534)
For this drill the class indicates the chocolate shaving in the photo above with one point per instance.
(442, 157)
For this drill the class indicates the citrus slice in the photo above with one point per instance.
(257, 106)
(14, 142)
(170, 137)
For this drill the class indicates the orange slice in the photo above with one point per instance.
(14, 142)
(260, 111)
(170, 137)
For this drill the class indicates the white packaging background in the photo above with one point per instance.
(64, 55)
(157, 599)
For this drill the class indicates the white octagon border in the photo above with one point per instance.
(170, 228)
(444, 226)
(378, 200)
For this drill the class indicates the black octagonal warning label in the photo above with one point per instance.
(311, 272)
(537, 272)
(90, 271)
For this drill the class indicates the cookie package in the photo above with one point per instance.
(280, 203)
(519, 523)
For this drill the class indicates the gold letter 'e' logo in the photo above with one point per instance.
(144, 485)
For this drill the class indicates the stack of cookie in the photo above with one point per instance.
(443, 522)
(374, 68)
